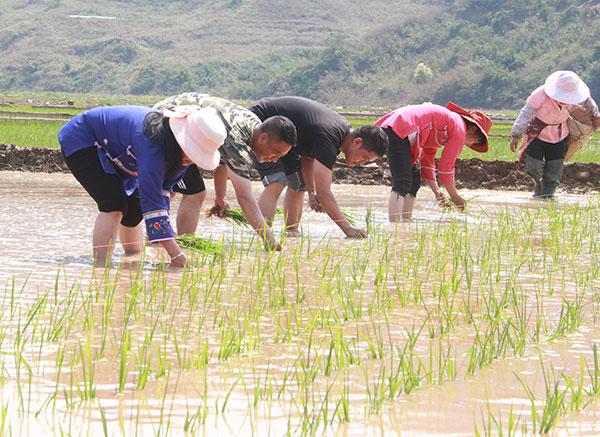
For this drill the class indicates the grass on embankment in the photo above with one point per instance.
(36, 133)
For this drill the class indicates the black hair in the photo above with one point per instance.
(374, 139)
(480, 134)
(282, 127)
(157, 127)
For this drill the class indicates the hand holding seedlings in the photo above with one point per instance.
(219, 208)
(313, 202)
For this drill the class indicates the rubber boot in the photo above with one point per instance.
(535, 169)
(552, 174)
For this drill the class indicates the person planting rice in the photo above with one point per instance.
(322, 134)
(191, 185)
(128, 158)
(415, 134)
(542, 126)
(248, 142)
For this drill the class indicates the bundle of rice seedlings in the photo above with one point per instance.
(200, 245)
(348, 216)
(237, 217)
(233, 215)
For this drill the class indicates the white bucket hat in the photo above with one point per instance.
(566, 87)
(200, 133)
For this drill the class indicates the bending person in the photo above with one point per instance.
(322, 135)
(415, 134)
(128, 158)
(249, 142)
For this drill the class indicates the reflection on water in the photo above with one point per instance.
(312, 340)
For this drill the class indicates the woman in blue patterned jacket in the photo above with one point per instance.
(128, 158)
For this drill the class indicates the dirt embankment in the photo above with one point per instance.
(470, 173)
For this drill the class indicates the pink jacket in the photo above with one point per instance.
(436, 127)
(551, 112)
(547, 110)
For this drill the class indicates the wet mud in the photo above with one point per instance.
(470, 173)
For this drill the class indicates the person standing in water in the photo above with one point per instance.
(415, 135)
(322, 135)
(249, 142)
(128, 158)
(542, 127)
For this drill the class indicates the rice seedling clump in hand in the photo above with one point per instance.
(233, 215)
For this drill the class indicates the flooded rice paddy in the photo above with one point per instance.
(453, 324)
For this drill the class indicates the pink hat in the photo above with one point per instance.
(566, 87)
(199, 132)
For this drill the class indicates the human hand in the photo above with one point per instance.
(514, 141)
(459, 203)
(313, 202)
(273, 245)
(442, 200)
(355, 233)
(220, 206)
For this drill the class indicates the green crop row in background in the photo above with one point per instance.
(18, 124)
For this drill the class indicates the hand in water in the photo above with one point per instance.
(356, 233)
(273, 245)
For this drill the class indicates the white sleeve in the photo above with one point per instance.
(522, 121)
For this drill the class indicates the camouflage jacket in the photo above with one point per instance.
(236, 152)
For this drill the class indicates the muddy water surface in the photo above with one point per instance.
(303, 351)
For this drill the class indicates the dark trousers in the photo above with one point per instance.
(106, 189)
(191, 182)
(406, 178)
(545, 162)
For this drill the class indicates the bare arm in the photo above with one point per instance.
(307, 166)
(243, 193)
(220, 181)
(456, 199)
(435, 188)
(323, 179)
(440, 197)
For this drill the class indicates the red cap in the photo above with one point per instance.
(482, 121)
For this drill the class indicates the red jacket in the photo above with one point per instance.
(436, 127)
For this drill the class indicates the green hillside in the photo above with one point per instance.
(479, 53)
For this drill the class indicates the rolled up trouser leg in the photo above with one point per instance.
(552, 174)
(535, 169)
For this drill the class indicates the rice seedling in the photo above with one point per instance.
(236, 216)
(493, 424)
(233, 215)
(200, 245)
(324, 334)
(554, 402)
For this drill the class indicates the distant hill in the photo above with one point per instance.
(378, 53)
